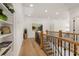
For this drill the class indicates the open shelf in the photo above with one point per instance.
(2, 6)
(5, 35)
(2, 21)
(5, 48)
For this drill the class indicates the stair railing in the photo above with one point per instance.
(63, 46)
(71, 35)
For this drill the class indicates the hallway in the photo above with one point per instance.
(55, 27)
(31, 48)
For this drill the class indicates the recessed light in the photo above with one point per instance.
(29, 15)
(46, 11)
(31, 5)
(57, 13)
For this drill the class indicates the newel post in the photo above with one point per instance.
(41, 39)
(47, 34)
(60, 33)
(60, 40)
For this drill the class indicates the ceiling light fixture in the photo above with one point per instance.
(57, 13)
(46, 11)
(29, 15)
(31, 5)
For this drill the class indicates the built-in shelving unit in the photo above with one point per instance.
(5, 48)
(9, 22)
(5, 35)
(2, 6)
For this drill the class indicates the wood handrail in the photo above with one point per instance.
(64, 39)
(64, 32)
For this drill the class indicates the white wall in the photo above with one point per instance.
(48, 24)
(74, 12)
(18, 28)
(29, 21)
(60, 22)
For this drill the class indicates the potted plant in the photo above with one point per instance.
(2, 16)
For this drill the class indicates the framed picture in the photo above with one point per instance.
(37, 27)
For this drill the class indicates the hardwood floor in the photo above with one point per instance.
(31, 48)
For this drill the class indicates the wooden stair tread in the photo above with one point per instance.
(51, 55)
(46, 43)
(50, 51)
(46, 46)
(47, 49)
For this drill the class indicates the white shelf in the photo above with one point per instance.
(4, 49)
(2, 21)
(9, 22)
(5, 35)
(5, 8)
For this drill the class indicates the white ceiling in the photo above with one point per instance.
(38, 9)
